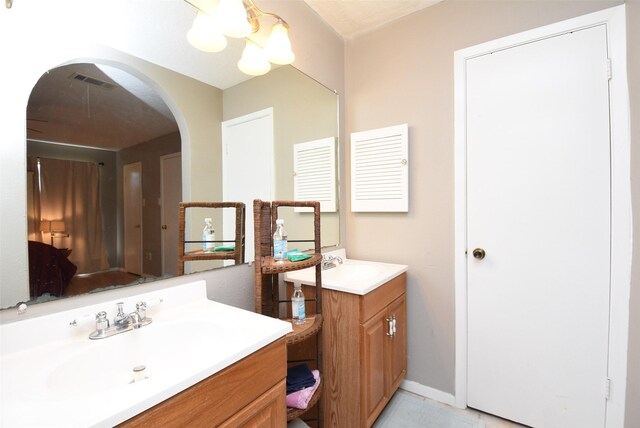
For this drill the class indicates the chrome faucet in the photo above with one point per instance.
(121, 319)
(328, 262)
(121, 322)
(134, 320)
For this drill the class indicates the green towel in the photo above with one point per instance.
(297, 256)
(225, 248)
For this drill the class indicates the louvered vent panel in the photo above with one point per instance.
(314, 166)
(379, 170)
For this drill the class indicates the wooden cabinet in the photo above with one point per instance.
(365, 345)
(268, 411)
(249, 393)
(383, 351)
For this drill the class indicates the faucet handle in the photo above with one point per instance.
(102, 323)
(120, 318)
(141, 309)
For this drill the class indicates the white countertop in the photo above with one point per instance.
(67, 380)
(352, 276)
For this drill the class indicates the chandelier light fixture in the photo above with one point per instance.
(218, 19)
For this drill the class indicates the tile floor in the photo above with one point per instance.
(407, 410)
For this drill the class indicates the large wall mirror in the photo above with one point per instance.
(121, 124)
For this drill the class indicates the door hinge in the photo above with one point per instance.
(608, 68)
(607, 388)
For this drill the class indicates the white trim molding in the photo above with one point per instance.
(621, 223)
(428, 392)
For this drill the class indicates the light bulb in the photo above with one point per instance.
(233, 17)
(278, 46)
(253, 60)
(205, 34)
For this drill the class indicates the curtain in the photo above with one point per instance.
(69, 191)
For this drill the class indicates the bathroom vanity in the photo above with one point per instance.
(249, 391)
(205, 363)
(364, 337)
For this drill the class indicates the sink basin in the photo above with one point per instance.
(349, 271)
(108, 363)
(352, 276)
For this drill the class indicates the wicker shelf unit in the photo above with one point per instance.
(198, 255)
(305, 342)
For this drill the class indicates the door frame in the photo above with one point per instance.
(621, 227)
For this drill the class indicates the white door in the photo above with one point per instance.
(133, 218)
(538, 204)
(171, 195)
(247, 169)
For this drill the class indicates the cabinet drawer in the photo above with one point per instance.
(268, 411)
(378, 299)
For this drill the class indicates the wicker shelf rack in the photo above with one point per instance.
(198, 255)
(305, 339)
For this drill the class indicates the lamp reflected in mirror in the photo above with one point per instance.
(206, 34)
(54, 227)
(278, 46)
(253, 61)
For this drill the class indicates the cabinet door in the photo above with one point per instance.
(268, 411)
(397, 343)
(373, 335)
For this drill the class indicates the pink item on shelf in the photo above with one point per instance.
(300, 399)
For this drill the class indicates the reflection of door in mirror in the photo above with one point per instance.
(247, 168)
(170, 194)
(133, 218)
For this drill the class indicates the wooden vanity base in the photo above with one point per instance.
(251, 392)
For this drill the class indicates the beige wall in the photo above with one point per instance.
(632, 419)
(404, 73)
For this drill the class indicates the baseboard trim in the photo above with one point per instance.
(428, 392)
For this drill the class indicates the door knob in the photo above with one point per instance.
(164, 227)
(479, 253)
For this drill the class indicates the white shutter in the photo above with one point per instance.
(314, 173)
(380, 170)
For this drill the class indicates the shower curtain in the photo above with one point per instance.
(70, 191)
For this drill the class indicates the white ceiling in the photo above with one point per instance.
(351, 18)
(67, 110)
